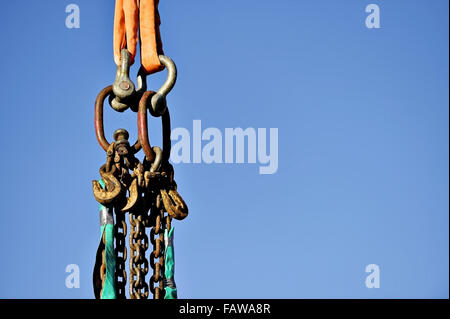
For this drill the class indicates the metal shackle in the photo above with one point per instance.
(158, 101)
(123, 87)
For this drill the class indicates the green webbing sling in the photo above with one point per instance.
(169, 281)
(107, 229)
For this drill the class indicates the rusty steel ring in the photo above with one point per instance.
(99, 129)
(143, 129)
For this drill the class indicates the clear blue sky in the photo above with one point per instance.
(363, 146)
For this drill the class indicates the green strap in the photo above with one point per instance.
(109, 289)
(169, 273)
(107, 228)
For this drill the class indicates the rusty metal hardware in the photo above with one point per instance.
(133, 197)
(113, 189)
(172, 200)
(115, 173)
(174, 204)
(123, 87)
(145, 190)
(157, 255)
(99, 128)
(121, 141)
(138, 242)
(143, 129)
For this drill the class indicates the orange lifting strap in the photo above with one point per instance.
(131, 15)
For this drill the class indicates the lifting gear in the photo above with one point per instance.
(144, 189)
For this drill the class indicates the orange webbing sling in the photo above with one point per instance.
(131, 16)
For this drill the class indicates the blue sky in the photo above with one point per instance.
(362, 116)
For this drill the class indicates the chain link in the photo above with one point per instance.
(138, 242)
(120, 234)
(157, 259)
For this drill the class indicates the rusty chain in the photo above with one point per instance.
(157, 254)
(145, 190)
(120, 234)
(138, 242)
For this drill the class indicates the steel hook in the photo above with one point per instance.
(112, 187)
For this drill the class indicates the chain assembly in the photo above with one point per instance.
(145, 190)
